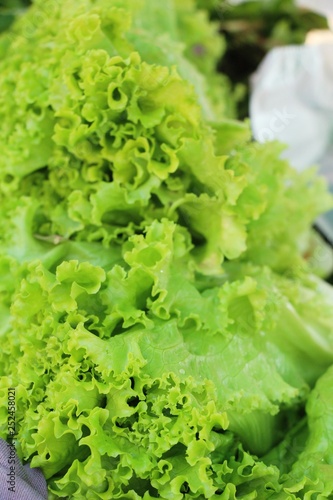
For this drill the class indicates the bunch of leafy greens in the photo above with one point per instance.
(163, 330)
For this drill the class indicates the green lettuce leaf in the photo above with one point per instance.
(160, 320)
(112, 139)
(137, 385)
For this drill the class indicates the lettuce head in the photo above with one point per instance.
(160, 318)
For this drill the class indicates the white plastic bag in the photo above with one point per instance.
(292, 101)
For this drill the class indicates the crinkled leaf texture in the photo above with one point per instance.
(142, 367)
(111, 125)
(139, 382)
